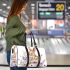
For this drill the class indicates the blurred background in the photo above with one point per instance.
(56, 44)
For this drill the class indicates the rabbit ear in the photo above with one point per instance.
(30, 49)
(33, 49)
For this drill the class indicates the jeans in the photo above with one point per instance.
(14, 68)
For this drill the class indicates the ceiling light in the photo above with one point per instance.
(4, 11)
(4, 4)
(65, 9)
(32, 5)
(68, 7)
(8, 7)
(0, 9)
(67, 13)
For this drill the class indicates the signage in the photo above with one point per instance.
(51, 10)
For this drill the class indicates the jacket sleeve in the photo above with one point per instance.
(14, 27)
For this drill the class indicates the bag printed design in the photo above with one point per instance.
(19, 57)
(20, 60)
(13, 60)
(31, 56)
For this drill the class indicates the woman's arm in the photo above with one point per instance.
(14, 27)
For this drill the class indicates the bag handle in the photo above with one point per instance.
(27, 54)
(32, 36)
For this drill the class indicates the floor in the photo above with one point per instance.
(48, 68)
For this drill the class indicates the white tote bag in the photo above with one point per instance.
(23, 56)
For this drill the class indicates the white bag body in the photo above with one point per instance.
(23, 56)
(19, 57)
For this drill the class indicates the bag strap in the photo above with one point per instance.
(27, 54)
(32, 37)
(33, 42)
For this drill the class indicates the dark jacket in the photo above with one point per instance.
(15, 32)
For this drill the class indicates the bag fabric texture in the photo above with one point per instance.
(28, 56)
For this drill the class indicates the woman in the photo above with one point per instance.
(15, 29)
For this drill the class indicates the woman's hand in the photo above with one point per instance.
(28, 31)
(28, 28)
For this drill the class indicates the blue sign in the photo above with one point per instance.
(56, 33)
